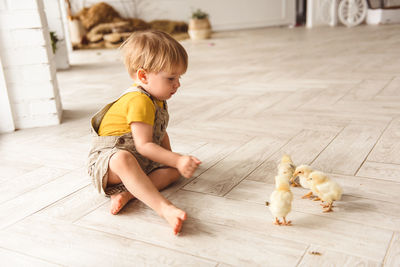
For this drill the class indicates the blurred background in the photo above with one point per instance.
(38, 36)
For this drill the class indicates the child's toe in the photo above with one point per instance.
(182, 216)
(178, 227)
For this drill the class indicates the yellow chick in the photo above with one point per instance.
(325, 188)
(281, 200)
(286, 166)
(303, 172)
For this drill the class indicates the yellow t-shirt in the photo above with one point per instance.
(131, 107)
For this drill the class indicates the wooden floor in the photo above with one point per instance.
(329, 97)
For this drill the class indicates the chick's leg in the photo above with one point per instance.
(316, 199)
(293, 182)
(308, 195)
(329, 206)
(287, 223)
(277, 222)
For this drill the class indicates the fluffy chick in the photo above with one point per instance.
(286, 167)
(281, 200)
(303, 172)
(325, 188)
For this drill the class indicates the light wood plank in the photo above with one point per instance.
(232, 129)
(192, 106)
(324, 119)
(231, 170)
(304, 120)
(344, 236)
(12, 258)
(344, 113)
(392, 89)
(209, 154)
(51, 151)
(333, 258)
(70, 245)
(185, 145)
(366, 90)
(364, 108)
(349, 149)
(62, 159)
(369, 188)
(11, 168)
(344, 74)
(216, 242)
(328, 96)
(361, 210)
(74, 206)
(35, 200)
(215, 132)
(303, 149)
(221, 106)
(15, 186)
(258, 102)
(294, 100)
(393, 256)
(387, 149)
(270, 91)
(381, 171)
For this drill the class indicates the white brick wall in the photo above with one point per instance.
(19, 19)
(28, 67)
(3, 5)
(25, 55)
(35, 73)
(6, 116)
(54, 18)
(21, 4)
(18, 37)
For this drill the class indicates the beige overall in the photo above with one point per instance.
(103, 147)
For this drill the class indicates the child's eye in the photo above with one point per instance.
(173, 78)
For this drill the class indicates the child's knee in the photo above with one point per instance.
(122, 159)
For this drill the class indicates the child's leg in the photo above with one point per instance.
(124, 166)
(161, 178)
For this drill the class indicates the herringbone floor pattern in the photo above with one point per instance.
(329, 97)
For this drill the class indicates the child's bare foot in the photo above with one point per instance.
(174, 217)
(118, 201)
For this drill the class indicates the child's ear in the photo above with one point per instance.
(142, 75)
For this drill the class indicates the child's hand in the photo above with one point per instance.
(187, 165)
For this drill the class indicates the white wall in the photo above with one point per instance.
(224, 14)
(6, 116)
(55, 23)
(28, 65)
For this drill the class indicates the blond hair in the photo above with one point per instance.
(153, 51)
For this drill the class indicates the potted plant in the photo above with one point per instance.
(54, 40)
(199, 25)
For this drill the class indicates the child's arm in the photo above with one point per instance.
(165, 142)
(143, 136)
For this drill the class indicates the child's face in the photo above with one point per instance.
(163, 85)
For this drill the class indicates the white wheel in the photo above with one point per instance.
(352, 12)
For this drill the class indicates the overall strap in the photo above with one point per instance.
(136, 89)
